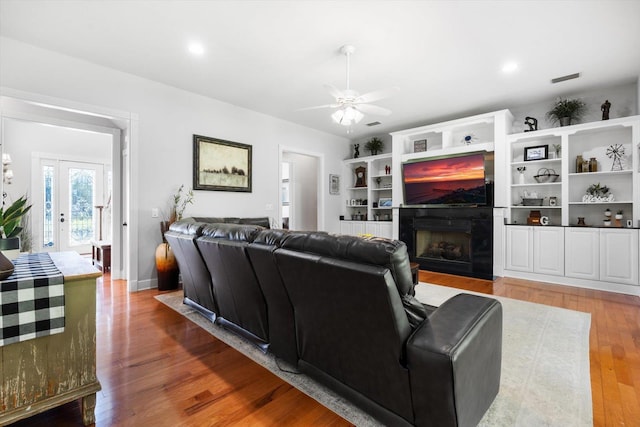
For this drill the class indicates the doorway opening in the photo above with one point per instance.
(72, 205)
(301, 196)
(118, 128)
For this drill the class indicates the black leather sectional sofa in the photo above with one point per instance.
(341, 308)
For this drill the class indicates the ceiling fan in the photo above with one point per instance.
(351, 106)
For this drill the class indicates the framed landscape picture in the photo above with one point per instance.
(220, 165)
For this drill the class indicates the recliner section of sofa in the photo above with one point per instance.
(282, 338)
(241, 304)
(196, 280)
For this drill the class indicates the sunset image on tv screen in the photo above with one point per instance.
(454, 180)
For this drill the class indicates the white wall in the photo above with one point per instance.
(168, 118)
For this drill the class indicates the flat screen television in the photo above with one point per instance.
(458, 180)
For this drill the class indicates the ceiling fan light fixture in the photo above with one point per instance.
(347, 116)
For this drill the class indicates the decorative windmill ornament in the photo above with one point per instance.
(616, 152)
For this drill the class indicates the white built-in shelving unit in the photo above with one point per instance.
(594, 255)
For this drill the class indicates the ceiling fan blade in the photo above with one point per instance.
(334, 91)
(373, 109)
(317, 107)
(377, 95)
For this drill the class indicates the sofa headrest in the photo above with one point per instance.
(239, 232)
(391, 254)
(272, 237)
(187, 226)
(212, 219)
(261, 221)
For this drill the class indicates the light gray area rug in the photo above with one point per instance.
(546, 377)
(545, 364)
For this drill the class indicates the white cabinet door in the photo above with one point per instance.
(359, 227)
(582, 253)
(372, 228)
(548, 250)
(619, 256)
(380, 229)
(386, 229)
(519, 248)
(346, 227)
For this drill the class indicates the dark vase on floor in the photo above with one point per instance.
(167, 268)
(166, 264)
(6, 267)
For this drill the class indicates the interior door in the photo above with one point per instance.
(72, 192)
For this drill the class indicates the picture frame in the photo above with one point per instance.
(220, 165)
(385, 202)
(334, 184)
(419, 145)
(539, 152)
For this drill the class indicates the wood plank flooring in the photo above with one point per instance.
(159, 369)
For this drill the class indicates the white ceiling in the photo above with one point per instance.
(274, 56)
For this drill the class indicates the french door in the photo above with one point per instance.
(72, 198)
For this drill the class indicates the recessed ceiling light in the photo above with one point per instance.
(510, 67)
(196, 48)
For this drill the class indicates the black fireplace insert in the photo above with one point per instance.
(450, 240)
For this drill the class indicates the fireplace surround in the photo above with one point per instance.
(453, 240)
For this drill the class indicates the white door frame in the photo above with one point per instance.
(123, 126)
(321, 182)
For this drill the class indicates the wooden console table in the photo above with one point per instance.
(49, 371)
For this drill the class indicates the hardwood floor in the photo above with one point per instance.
(159, 369)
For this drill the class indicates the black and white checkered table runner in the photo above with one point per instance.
(31, 300)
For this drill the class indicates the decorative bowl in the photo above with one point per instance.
(532, 202)
(546, 175)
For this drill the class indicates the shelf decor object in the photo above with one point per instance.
(532, 122)
(546, 175)
(616, 152)
(469, 139)
(419, 145)
(374, 145)
(521, 170)
(539, 152)
(361, 176)
(597, 193)
(566, 111)
(579, 161)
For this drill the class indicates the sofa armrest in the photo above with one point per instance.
(454, 360)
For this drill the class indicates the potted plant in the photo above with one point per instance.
(374, 145)
(619, 214)
(566, 110)
(10, 224)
